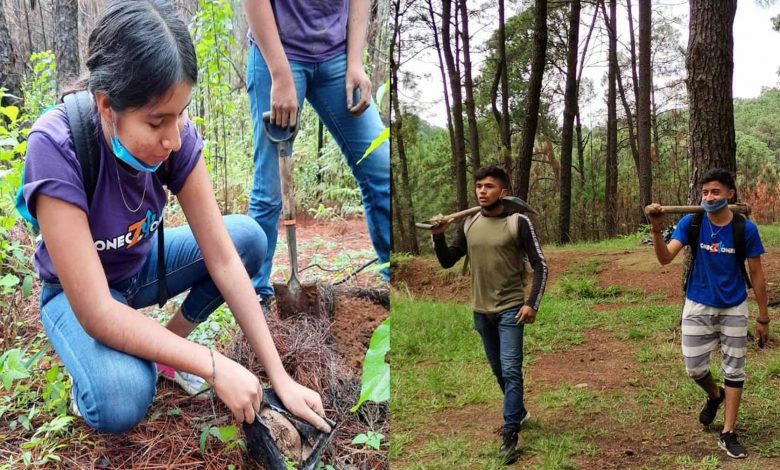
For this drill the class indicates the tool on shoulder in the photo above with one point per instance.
(283, 138)
(742, 208)
(276, 436)
(514, 204)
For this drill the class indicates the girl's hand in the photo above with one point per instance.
(237, 387)
(303, 403)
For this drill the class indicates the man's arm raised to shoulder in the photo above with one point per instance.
(663, 251)
(448, 255)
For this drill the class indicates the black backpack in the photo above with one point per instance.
(78, 107)
(738, 233)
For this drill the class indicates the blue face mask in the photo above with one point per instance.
(715, 205)
(123, 154)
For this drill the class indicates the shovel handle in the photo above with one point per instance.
(429, 224)
(743, 208)
(289, 132)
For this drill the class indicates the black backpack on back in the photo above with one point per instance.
(78, 107)
(738, 233)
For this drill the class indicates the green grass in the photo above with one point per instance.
(770, 235)
(439, 368)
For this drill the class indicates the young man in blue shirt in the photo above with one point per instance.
(716, 310)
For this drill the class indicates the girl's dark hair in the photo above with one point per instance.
(494, 171)
(720, 175)
(138, 51)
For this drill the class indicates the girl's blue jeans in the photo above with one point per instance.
(113, 389)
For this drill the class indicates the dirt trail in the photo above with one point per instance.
(601, 364)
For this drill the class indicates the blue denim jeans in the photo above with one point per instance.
(113, 389)
(323, 86)
(503, 341)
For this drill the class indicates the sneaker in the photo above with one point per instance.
(508, 450)
(728, 442)
(707, 415)
(194, 385)
(73, 407)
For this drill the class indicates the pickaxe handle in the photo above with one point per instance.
(428, 224)
(742, 207)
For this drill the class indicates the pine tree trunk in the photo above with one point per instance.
(567, 133)
(643, 106)
(468, 85)
(711, 139)
(458, 152)
(9, 79)
(67, 40)
(523, 176)
(400, 148)
(442, 67)
(610, 192)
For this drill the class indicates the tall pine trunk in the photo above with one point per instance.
(610, 190)
(643, 110)
(67, 40)
(567, 133)
(710, 64)
(398, 139)
(468, 85)
(458, 152)
(523, 176)
(9, 79)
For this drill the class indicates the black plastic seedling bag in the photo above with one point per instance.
(260, 438)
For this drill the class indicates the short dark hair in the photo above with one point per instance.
(720, 175)
(138, 51)
(493, 171)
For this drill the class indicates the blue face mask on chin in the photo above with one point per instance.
(123, 154)
(715, 205)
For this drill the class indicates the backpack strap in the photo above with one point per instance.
(513, 224)
(738, 233)
(78, 107)
(693, 243)
(469, 222)
(163, 173)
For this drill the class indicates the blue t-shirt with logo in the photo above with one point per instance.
(717, 279)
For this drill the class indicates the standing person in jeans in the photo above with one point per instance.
(716, 310)
(497, 252)
(314, 50)
(98, 257)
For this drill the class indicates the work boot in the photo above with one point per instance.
(508, 450)
(710, 409)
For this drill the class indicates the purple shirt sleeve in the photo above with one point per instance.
(51, 166)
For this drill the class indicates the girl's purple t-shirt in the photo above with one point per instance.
(312, 31)
(126, 208)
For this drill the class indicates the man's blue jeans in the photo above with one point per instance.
(113, 389)
(503, 341)
(323, 86)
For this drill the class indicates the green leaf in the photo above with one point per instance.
(11, 111)
(226, 433)
(27, 286)
(383, 136)
(203, 436)
(9, 280)
(380, 93)
(376, 372)
(360, 439)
